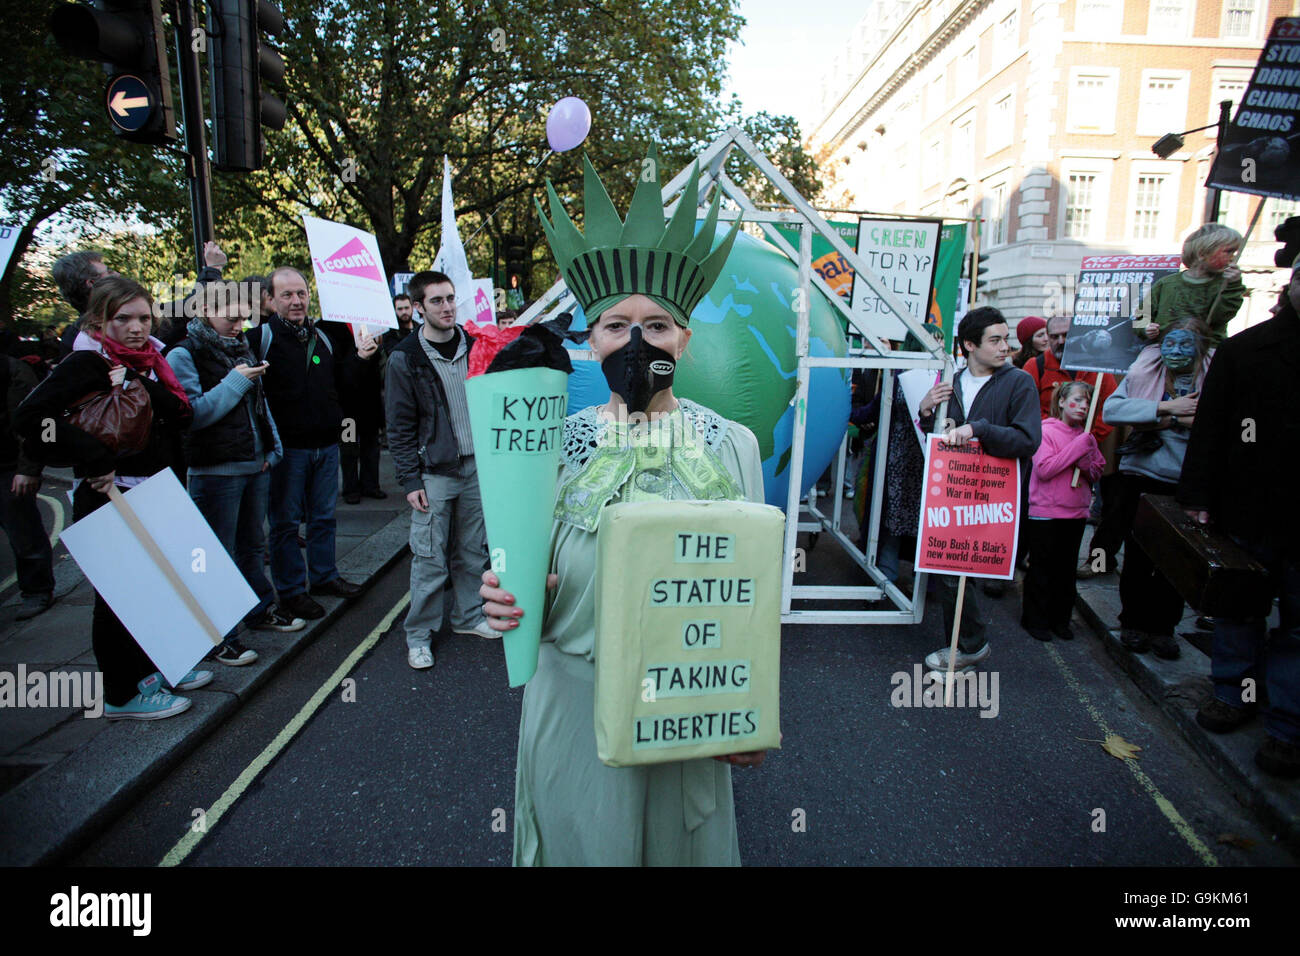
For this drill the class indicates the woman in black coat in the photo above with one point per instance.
(114, 348)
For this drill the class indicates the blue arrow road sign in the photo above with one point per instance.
(128, 102)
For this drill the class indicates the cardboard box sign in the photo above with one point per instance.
(1207, 568)
(688, 630)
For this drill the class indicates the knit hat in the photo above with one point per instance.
(674, 266)
(1027, 328)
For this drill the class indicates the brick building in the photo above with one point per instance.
(1038, 116)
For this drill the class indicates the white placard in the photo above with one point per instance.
(904, 253)
(350, 278)
(8, 239)
(139, 592)
(915, 382)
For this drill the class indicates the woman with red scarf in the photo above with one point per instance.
(115, 348)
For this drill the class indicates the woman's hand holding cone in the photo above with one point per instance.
(499, 606)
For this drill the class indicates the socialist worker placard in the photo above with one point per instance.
(970, 512)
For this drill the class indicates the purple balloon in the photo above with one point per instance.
(568, 124)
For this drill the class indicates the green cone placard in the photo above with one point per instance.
(518, 422)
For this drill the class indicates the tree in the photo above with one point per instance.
(380, 90)
(59, 161)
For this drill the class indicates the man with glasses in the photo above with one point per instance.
(433, 455)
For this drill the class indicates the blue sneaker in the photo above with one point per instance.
(152, 703)
(191, 681)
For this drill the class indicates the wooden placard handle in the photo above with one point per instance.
(151, 547)
(1092, 414)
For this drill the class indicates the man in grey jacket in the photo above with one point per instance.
(997, 403)
(433, 454)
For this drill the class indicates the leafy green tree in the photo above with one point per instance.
(381, 90)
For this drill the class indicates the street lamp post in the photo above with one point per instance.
(1170, 143)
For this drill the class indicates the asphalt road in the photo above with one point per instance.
(419, 768)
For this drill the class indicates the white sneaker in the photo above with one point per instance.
(421, 658)
(481, 629)
(938, 661)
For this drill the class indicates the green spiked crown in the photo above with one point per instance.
(672, 265)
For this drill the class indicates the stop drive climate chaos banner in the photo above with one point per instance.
(970, 512)
(1261, 146)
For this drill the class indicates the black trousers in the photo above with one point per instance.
(1148, 601)
(20, 517)
(120, 658)
(1113, 526)
(360, 460)
(1049, 585)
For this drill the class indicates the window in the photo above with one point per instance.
(932, 162)
(1168, 18)
(1080, 208)
(1229, 84)
(1239, 19)
(1279, 211)
(1153, 206)
(995, 215)
(1162, 107)
(963, 141)
(1084, 199)
(1092, 101)
(1007, 38)
(966, 72)
(1099, 16)
(1001, 123)
(938, 95)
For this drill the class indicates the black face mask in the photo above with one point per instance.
(638, 371)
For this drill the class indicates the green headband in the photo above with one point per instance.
(672, 265)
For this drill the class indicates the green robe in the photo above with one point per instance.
(571, 809)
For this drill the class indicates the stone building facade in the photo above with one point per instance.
(1038, 117)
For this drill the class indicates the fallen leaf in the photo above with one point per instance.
(1117, 746)
(1237, 840)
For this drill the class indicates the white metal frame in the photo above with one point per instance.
(908, 608)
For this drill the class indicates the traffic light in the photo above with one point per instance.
(982, 274)
(128, 38)
(241, 64)
(516, 253)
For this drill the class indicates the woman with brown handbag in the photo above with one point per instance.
(102, 439)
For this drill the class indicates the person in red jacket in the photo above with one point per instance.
(1045, 369)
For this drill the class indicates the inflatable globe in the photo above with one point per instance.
(741, 363)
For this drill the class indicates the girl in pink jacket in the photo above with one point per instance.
(1057, 512)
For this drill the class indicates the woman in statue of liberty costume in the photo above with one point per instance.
(638, 283)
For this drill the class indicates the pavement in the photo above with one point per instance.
(63, 777)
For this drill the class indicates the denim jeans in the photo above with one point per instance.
(235, 507)
(1244, 648)
(304, 488)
